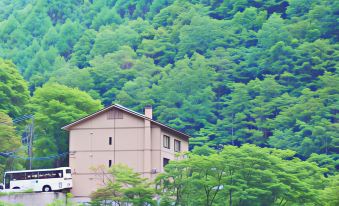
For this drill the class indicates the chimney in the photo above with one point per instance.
(149, 111)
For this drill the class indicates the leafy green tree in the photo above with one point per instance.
(273, 31)
(81, 52)
(55, 106)
(64, 74)
(59, 11)
(160, 48)
(201, 34)
(37, 22)
(106, 17)
(50, 39)
(110, 39)
(311, 130)
(40, 66)
(69, 34)
(300, 8)
(323, 15)
(249, 110)
(9, 141)
(168, 16)
(156, 7)
(112, 71)
(247, 175)
(187, 87)
(8, 26)
(325, 161)
(13, 89)
(123, 185)
(329, 194)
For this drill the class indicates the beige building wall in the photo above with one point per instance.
(136, 142)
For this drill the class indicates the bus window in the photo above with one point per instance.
(50, 174)
(44, 174)
(31, 175)
(18, 176)
(59, 174)
(68, 171)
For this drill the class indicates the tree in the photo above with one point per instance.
(160, 48)
(13, 89)
(106, 17)
(273, 31)
(185, 95)
(69, 34)
(81, 52)
(246, 175)
(329, 194)
(311, 130)
(201, 34)
(37, 22)
(54, 106)
(110, 39)
(112, 71)
(123, 185)
(9, 141)
(40, 67)
(248, 111)
(65, 74)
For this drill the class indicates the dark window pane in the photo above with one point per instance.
(68, 171)
(19, 176)
(177, 146)
(31, 175)
(50, 174)
(165, 161)
(167, 141)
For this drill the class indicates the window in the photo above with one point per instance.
(177, 145)
(110, 141)
(68, 171)
(167, 141)
(165, 162)
(114, 114)
(31, 175)
(18, 176)
(109, 163)
(50, 174)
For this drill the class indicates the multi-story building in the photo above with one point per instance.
(114, 135)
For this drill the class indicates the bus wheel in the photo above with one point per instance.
(46, 188)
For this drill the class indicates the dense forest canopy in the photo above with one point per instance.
(226, 72)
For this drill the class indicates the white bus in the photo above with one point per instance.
(45, 180)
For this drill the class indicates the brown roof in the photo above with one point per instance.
(118, 106)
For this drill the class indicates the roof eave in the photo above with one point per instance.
(67, 127)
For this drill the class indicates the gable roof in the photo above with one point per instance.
(118, 106)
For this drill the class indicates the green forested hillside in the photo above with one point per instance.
(225, 72)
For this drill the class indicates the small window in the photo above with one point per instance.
(31, 175)
(110, 141)
(165, 162)
(167, 141)
(68, 171)
(114, 114)
(177, 145)
(109, 163)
